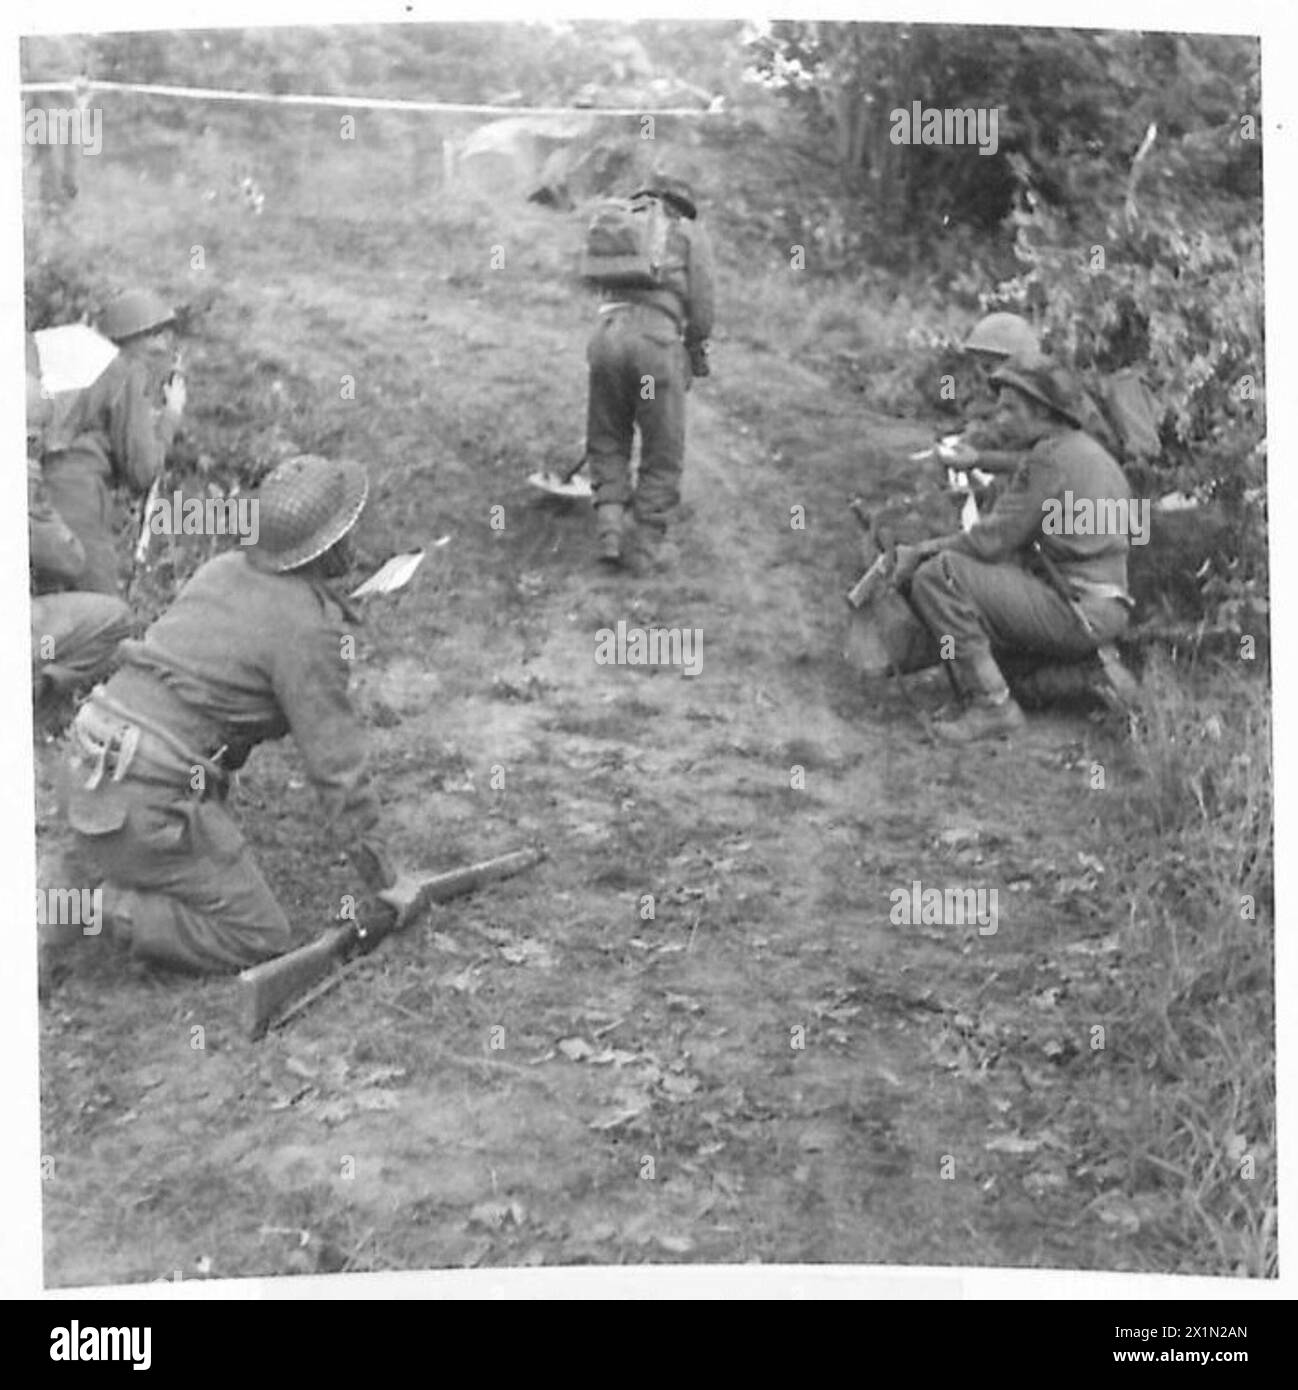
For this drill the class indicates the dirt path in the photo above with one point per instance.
(766, 1070)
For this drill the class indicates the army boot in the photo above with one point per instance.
(991, 712)
(652, 551)
(610, 518)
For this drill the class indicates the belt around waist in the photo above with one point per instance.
(612, 305)
(119, 741)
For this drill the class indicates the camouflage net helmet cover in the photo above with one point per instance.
(1005, 335)
(306, 505)
(133, 313)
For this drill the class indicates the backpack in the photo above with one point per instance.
(1133, 416)
(626, 244)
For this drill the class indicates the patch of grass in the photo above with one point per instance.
(1197, 991)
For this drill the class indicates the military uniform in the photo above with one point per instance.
(109, 436)
(75, 635)
(980, 588)
(246, 653)
(643, 334)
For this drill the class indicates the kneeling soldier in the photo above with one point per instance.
(253, 648)
(982, 590)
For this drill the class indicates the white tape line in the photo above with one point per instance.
(361, 103)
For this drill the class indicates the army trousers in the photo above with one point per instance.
(986, 608)
(75, 637)
(180, 885)
(639, 375)
(80, 495)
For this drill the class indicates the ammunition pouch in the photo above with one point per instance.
(111, 743)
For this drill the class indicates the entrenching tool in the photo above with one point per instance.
(563, 482)
(279, 989)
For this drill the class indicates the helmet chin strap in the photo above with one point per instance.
(337, 560)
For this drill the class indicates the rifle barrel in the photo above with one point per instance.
(267, 988)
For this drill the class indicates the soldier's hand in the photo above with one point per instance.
(174, 394)
(952, 449)
(403, 898)
(908, 558)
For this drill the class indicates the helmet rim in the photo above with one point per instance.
(327, 533)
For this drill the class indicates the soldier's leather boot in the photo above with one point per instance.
(609, 523)
(991, 712)
(652, 551)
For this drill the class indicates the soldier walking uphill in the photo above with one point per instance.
(111, 433)
(983, 590)
(652, 260)
(253, 648)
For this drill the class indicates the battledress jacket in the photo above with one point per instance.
(244, 655)
(1069, 462)
(688, 291)
(112, 424)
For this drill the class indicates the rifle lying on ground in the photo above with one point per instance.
(279, 989)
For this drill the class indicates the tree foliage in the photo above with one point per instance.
(1121, 211)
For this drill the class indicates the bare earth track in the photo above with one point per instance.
(647, 1099)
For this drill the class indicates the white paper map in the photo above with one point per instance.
(72, 356)
(395, 574)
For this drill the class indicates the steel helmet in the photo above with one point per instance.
(672, 189)
(1034, 377)
(1004, 335)
(134, 313)
(305, 505)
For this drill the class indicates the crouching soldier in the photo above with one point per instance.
(985, 590)
(254, 647)
(111, 435)
(652, 261)
(75, 635)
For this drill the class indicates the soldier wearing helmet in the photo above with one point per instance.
(658, 336)
(254, 647)
(1000, 336)
(75, 635)
(977, 589)
(1118, 411)
(993, 341)
(111, 434)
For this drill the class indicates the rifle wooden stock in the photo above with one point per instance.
(265, 989)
